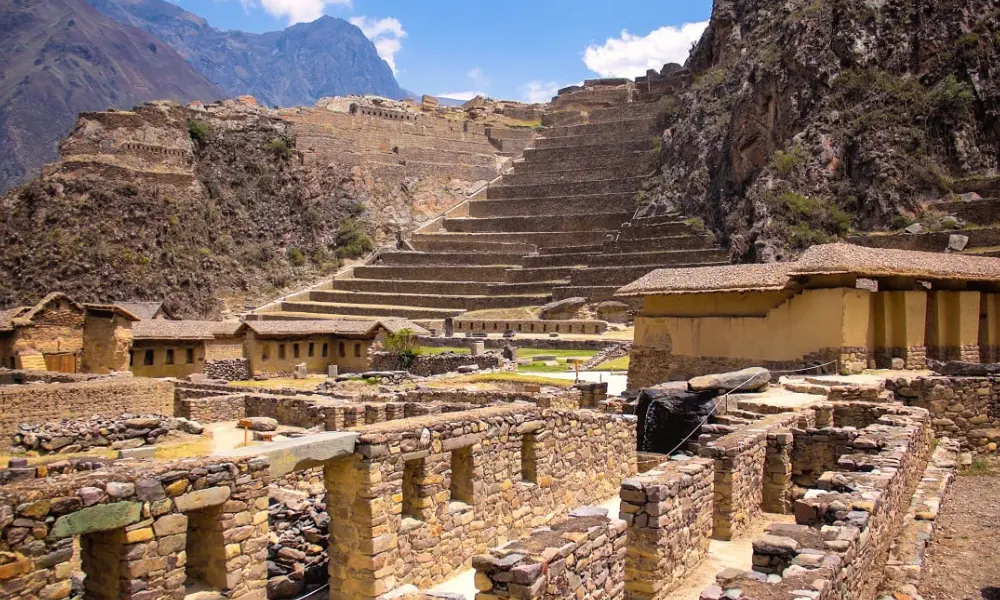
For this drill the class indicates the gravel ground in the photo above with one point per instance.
(964, 557)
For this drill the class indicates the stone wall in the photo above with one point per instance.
(228, 369)
(839, 545)
(669, 515)
(497, 343)
(42, 403)
(421, 497)
(434, 364)
(582, 557)
(141, 529)
(963, 408)
(212, 409)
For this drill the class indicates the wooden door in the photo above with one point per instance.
(61, 363)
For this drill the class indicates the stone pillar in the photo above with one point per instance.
(900, 327)
(778, 473)
(478, 348)
(449, 327)
(953, 325)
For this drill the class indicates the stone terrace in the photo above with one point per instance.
(560, 223)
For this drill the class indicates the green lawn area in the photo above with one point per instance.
(618, 364)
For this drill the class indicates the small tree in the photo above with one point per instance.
(199, 131)
(404, 344)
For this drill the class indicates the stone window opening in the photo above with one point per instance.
(463, 476)
(147, 358)
(169, 360)
(281, 351)
(131, 360)
(325, 351)
(100, 559)
(341, 350)
(357, 349)
(295, 350)
(189, 356)
(413, 472)
(529, 458)
(265, 352)
(206, 548)
(312, 350)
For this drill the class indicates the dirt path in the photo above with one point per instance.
(963, 561)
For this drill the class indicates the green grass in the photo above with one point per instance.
(509, 378)
(431, 350)
(543, 368)
(618, 364)
(981, 467)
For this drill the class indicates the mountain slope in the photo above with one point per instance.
(294, 67)
(61, 57)
(806, 118)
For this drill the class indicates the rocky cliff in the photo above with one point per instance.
(61, 57)
(169, 203)
(293, 67)
(806, 119)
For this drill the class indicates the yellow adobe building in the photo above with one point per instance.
(166, 348)
(842, 306)
(277, 346)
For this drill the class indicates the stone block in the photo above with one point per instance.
(202, 499)
(103, 517)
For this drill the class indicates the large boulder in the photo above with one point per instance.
(561, 309)
(755, 379)
(668, 414)
(613, 311)
(964, 369)
(259, 423)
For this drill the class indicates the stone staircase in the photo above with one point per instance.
(560, 223)
(978, 205)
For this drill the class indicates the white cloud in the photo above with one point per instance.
(296, 11)
(387, 34)
(464, 96)
(477, 75)
(539, 92)
(631, 55)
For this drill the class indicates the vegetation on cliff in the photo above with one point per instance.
(805, 119)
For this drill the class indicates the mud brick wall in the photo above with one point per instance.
(962, 408)
(142, 530)
(422, 496)
(841, 540)
(669, 515)
(582, 557)
(17, 377)
(44, 403)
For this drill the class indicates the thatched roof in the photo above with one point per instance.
(826, 259)
(162, 329)
(145, 310)
(22, 315)
(356, 327)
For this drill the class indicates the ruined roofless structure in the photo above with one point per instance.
(853, 306)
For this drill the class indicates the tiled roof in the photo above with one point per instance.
(143, 310)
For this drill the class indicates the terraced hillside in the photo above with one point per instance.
(560, 224)
(973, 213)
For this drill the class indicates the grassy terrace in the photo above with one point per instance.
(562, 356)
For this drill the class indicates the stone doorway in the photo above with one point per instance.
(206, 550)
(101, 556)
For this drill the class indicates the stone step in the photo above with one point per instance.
(624, 112)
(642, 231)
(623, 275)
(542, 239)
(675, 242)
(610, 151)
(638, 125)
(589, 249)
(573, 259)
(544, 274)
(660, 258)
(577, 175)
(448, 258)
(550, 190)
(647, 159)
(985, 211)
(483, 274)
(451, 301)
(430, 243)
(623, 136)
(461, 288)
(552, 222)
(514, 207)
(370, 310)
(929, 242)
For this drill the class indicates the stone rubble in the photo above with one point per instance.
(75, 435)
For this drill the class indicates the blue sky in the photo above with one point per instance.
(517, 49)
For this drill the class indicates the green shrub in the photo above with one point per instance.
(199, 130)
(281, 147)
(295, 257)
(403, 340)
(811, 220)
(786, 162)
(351, 241)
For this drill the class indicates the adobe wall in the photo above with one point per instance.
(141, 529)
(966, 409)
(42, 403)
(169, 359)
(421, 497)
(106, 345)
